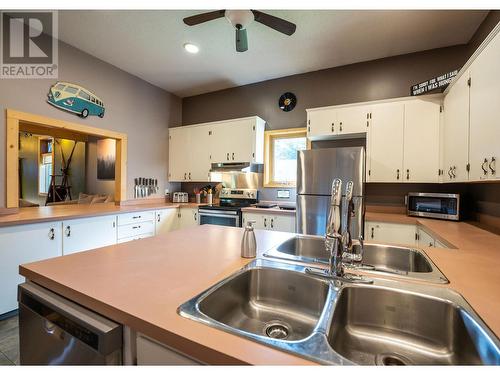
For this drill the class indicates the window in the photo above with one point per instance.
(44, 173)
(84, 95)
(60, 86)
(71, 90)
(280, 164)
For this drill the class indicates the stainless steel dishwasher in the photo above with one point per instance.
(56, 331)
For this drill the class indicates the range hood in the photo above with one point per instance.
(237, 167)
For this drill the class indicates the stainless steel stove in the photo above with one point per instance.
(228, 211)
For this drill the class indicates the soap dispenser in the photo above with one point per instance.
(248, 242)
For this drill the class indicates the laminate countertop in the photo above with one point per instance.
(141, 283)
(31, 215)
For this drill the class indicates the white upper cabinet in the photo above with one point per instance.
(385, 143)
(192, 149)
(189, 154)
(485, 113)
(353, 120)
(456, 132)
(238, 141)
(421, 141)
(321, 122)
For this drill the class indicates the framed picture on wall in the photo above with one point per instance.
(106, 158)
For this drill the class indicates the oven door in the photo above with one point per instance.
(228, 218)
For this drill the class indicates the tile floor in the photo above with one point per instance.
(9, 341)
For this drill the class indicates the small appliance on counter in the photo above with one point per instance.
(180, 197)
(434, 205)
(228, 211)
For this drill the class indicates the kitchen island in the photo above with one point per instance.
(141, 284)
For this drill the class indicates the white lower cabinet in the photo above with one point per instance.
(88, 233)
(166, 220)
(24, 244)
(390, 233)
(401, 234)
(135, 225)
(188, 217)
(280, 223)
(152, 352)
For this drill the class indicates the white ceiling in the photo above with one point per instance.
(149, 44)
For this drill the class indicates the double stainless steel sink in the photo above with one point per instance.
(377, 258)
(389, 322)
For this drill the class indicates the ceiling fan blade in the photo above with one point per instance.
(275, 23)
(203, 17)
(241, 40)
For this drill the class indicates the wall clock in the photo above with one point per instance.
(287, 101)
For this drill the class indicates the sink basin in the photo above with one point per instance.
(389, 322)
(384, 259)
(376, 326)
(268, 302)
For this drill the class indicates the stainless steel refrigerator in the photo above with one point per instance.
(316, 170)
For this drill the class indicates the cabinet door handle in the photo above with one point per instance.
(492, 165)
(195, 216)
(227, 156)
(449, 173)
(407, 174)
(340, 126)
(233, 156)
(185, 174)
(265, 222)
(453, 170)
(52, 234)
(484, 165)
(158, 217)
(333, 127)
(397, 176)
(189, 177)
(372, 232)
(272, 223)
(68, 231)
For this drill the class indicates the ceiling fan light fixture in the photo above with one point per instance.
(191, 48)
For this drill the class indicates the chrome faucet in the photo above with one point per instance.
(338, 236)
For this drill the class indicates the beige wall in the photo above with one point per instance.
(133, 106)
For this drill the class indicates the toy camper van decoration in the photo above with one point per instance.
(76, 99)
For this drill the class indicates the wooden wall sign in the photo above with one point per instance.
(440, 82)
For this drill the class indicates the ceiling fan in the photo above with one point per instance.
(240, 19)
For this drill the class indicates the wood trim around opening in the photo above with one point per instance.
(269, 135)
(15, 119)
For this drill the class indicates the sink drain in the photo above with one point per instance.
(277, 330)
(391, 359)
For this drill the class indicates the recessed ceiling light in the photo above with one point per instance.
(191, 48)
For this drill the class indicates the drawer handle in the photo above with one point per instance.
(137, 227)
(68, 231)
(483, 166)
(136, 217)
(52, 234)
(492, 165)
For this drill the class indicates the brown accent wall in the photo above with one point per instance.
(378, 79)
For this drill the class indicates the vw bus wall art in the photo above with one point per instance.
(76, 99)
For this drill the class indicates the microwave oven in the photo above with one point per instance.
(433, 205)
